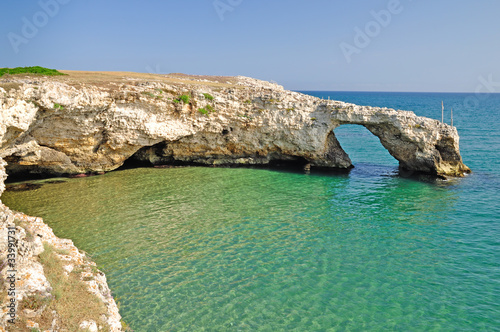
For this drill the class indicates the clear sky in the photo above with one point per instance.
(357, 45)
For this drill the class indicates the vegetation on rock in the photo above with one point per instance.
(206, 109)
(184, 98)
(30, 70)
(208, 96)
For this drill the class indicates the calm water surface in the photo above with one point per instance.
(214, 249)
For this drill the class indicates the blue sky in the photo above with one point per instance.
(414, 45)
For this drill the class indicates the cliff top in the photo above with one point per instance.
(112, 80)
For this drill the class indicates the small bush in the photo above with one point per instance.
(184, 98)
(35, 301)
(208, 96)
(30, 70)
(58, 106)
(206, 109)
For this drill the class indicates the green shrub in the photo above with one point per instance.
(208, 96)
(30, 70)
(184, 98)
(206, 109)
(58, 106)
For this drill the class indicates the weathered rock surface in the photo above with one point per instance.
(26, 236)
(55, 127)
(31, 283)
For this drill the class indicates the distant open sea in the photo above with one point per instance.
(235, 249)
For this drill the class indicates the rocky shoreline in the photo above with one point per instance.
(32, 292)
(96, 122)
(27, 296)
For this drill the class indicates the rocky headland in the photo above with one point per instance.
(90, 123)
(95, 122)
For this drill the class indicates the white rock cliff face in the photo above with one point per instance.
(62, 129)
(22, 240)
(30, 235)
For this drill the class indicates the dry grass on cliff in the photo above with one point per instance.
(112, 79)
(10, 86)
(70, 298)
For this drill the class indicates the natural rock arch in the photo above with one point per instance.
(418, 143)
(256, 123)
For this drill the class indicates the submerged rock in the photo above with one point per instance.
(23, 186)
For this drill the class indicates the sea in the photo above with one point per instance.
(245, 249)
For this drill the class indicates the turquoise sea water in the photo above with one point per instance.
(217, 249)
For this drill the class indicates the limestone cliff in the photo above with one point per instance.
(46, 283)
(89, 123)
(40, 286)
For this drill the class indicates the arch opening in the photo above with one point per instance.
(364, 148)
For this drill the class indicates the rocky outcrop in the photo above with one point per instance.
(64, 129)
(28, 299)
(34, 306)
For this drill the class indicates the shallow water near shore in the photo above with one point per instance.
(190, 249)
